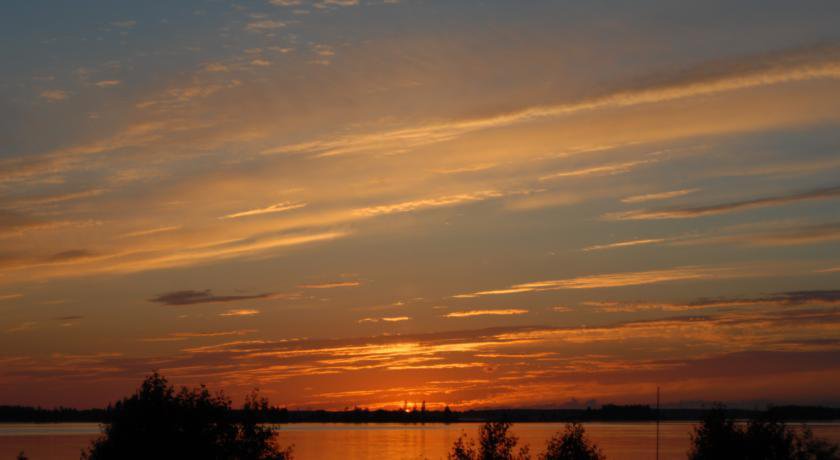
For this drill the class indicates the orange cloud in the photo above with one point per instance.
(470, 313)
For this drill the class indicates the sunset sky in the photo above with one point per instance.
(473, 203)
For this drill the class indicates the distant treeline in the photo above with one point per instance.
(609, 412)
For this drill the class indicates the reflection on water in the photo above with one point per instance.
(385, 441)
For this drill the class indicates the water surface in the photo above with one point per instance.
(629, 441)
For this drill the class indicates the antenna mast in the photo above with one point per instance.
(657, 423)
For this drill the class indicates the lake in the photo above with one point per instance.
(386, 441)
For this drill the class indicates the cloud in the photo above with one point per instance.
(107, 83)
(609, 169)
(780, 299)
(659, 195)
(127, 24)
(54, 95)
(263, 25)
(700, 211)
(73, 254)
(331, 285)
(387, 319)
(208, 253)
(179, 336)
(614, 280)
(22, 327)
(189, 297)
(791, 236)
(216, 67)
(279, 207)
(10, 296)
(470, 313)
(151, 231)
(57, 198)
(240, 312)
(785, 235)
(607, 361)
(413, 205)
(811, 63)
(70, 318)
(623, 244)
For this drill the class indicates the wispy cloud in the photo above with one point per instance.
(126, 24)
(331, 285)
(608, 169)
(623, 244)
(179, 336)
(613, 280)
(785, 236)
(659, 195)
(793, 66)
(413, 205)
(784, 299)
(189, 297)
(25, 326)
(499, 312)
(387, 319)
(54, 95)
(57, 198)
(262, 25)
(240, 312)
(151, 231)
(107, 83)
(279, 207)
(700, 211)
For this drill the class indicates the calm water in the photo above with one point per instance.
(386, 441)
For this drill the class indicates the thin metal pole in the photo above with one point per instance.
(657, 423)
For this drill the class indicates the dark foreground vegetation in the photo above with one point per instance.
(717, 437)
(160, 422)
(496, 442)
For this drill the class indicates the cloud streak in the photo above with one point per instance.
(659, 195)
(332, 285)
(793, 66)
(279, 207)
(499, 312)
(189, 297)
(613, 280)
(722, 208)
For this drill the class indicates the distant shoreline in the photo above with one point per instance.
(607, 413)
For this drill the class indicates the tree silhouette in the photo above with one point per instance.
(572, 444)
(494, 443)
(764, 437)
(158, 422)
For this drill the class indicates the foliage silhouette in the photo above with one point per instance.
(765, 437)
(495, 442)
(158, 422)
(572, 444)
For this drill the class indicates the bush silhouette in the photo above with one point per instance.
(494, 443)
(765, 437)
(158, 422)
(572, 444)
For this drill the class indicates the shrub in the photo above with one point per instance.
(572, 444)
(158, 422)
(495, 443)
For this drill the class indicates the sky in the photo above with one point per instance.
(371, 202)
